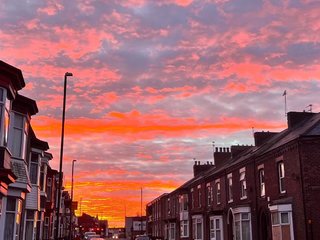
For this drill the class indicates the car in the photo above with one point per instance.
(142, 237)
(91, 237)
(87, 234)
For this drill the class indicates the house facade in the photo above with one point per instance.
(266, 191)
(24, 164)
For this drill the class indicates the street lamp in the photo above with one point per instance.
(67, 74)
(71, 215)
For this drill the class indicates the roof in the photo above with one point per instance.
(15, 75)
(25, 105)
(308, 127)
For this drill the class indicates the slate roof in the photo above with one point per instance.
(19, 169)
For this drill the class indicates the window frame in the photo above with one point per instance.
(184, 225)
(243, 184)
(218, 191)
(230, 189)
(213, 227)
(209, 194)
(281, 176)
(262, 184)
(196, 220)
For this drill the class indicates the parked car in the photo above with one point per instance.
(142, 237)
(87, 234)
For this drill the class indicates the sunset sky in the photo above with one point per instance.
(156, 82)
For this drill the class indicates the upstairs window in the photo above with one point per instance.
(262, 183)
(183, 202)
(4, 116)
(199, 195)
(243, 184)
(209, 194)
(281, 175)
(218, 192)
(18, 135)
(34, 165)
(230, 192)
(192, 198)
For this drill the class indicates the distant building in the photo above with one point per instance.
(135, 226)
(262, 192)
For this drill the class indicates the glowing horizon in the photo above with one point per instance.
(155, 82)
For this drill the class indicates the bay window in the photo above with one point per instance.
(34, 166)
(281, 220)
(18, 136)
(13, 219)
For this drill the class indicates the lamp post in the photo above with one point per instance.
(71, 215)
(67, 74)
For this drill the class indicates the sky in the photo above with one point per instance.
(155, 83)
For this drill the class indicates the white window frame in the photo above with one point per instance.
(172, 231)
(230, 189)
(199, 195)
(213, 227)
(241, 211)
(184, 228)
(218, 191)
(281, 176)
(197, 219)
(209, 194)
(243, 184)
(278, 210)
(183, 202)
(17, 217)
(262, 184)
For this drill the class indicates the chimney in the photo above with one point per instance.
(294, 118)
(220, 157)
(198, 168)
(236, 150)
(262, 137)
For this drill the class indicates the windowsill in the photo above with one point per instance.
(243, 198)
(184, 236)
(230, 201)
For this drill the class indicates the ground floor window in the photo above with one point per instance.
(13, 218)
(172, 231)
(197, 227)
(241, 223)
(166, 231)
(281, 220)
(184, 228)
(30, 224)
(216, 228)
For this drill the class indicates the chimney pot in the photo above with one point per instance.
(221, 149)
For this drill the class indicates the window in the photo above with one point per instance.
(209, 194)
(262, 183)
(281, 175)
(192, 198)
(281, 220)
(34, 164)
(199, 196)
(230, 193)
(49, 190)
(18, 136)
(4, 116)
(30, 218)
(242, 226)
(216, 232)
(168, 206)
(166, 231)
(197, 227)
(243, 184)
(184, 228)
(183, 202)
(13, 218)
(172, 232)
(218, 191)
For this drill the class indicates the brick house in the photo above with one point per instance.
(24, 162)
(266, 191)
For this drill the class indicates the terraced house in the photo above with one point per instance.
(24, 162)
(267, 191)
